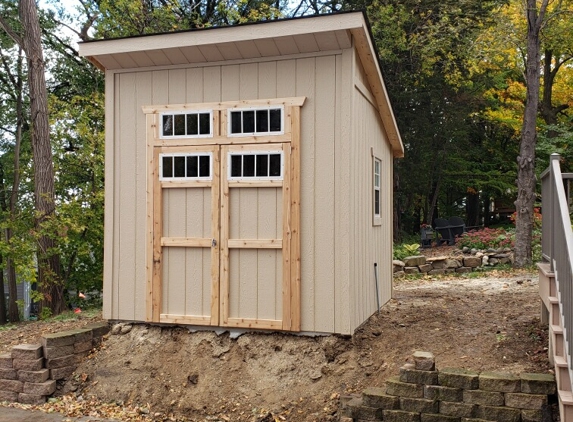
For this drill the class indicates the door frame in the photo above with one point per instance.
(291, 320)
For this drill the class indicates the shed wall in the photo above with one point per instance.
(370, 243)
(325, 209)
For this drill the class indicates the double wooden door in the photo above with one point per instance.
(222, 232)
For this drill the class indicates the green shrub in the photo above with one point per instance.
(403, 250)
(487, 238)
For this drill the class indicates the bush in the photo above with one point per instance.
(403, 250)
(487, 238)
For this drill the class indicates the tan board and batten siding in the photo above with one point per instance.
(344, 122)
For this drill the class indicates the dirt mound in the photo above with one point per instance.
(482, 324)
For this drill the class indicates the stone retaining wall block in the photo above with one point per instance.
(462, 410)
(99, 329)
(525, 401)
(31, 398)
(424, 361)
(499, 414)
(61, 373)
(376, 397)
(13, 386)
(437, 392)
(400, 416)
(8, 374)
(414, 376)
(42, 389)
(85, 346)
(82, 335)
(64, 338)
(28, 365)
(394, 387)
(419, 405)
(538, 383)
(53, 352)
(61, 362)
(8, 396)
(27, 351)
(499, 381)
(34, 376)
(487, 398)
(459, 378)
(5, 360)
(430, 417)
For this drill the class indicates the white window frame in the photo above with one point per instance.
(255, 152)
(255, 109)
(376, 188)
(185, 112)
(184, 154)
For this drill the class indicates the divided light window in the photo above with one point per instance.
(259, 165)
(179, 166)
(256, 121)
(377, 166)
(190, 125)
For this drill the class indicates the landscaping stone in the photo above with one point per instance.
(61, 373)
(61, 362)
(498, 381)
(525, 401)
(437, 392)
(430, 417)
(27, 351)
(8, 374)
(399, 274)
(398, 265)
(459, 378)
(64, 338)
(414, 261)
(419, 405)
(9, 396)
(367, 413)
(13, 386)
(98, 329)
(85, 346)
(437, 272)
(376, 397)
(411, 270)
(42, 389)
(413, 376)
(439, 265)
(487, 398)
(82, 335)
(28, 365)
(537, 415)
(462, 270)
(34, 376)
(538, 383)
(462, 410)
(58, 352)
(472, 261)
(499, 414)
(394, 387)
(5, 360)
(425, 268)
(400, 416)
(25, 398)
(452, 263)
(348, 406)
(424, 361)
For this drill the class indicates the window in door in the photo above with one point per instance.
(376, 191)
(256, 121)
(178, 166)
(197, 124)
(255, 165)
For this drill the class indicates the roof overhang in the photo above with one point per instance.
(311, 34)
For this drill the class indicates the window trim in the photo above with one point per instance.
(281, 107)
(186, 112)
(376, 188)
(185, 154)
(255, 152)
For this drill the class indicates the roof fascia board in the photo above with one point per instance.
(226, 34)
(368, 57)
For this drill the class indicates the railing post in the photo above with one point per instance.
(554, 209)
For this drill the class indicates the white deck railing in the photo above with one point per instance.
(557, 244)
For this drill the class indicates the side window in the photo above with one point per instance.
(179, 166)
(187, 125)
(376, 189)
(256, 165)
(256, 121)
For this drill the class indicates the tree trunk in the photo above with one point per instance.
(526, 159)
(3, 319)
(472, 208)
(48, 260)
(13, 313)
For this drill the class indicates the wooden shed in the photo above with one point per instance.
(248, 176)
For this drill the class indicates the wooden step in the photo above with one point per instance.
(565, 405)
(562, 373)
(557, 340)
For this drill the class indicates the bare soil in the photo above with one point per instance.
(170, 373)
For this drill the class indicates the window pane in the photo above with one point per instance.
(179, 166)
(262, 120)
(179, 124)
(236, 165)
(377, 202)
(167, 167)
(204, 167)
(248, 165)
(192, 127)
(204, 123)
(167, 125)
(262, 165)
(275, 120)
(192, 167)
(248, 121)
(235, 122)
(275, 165)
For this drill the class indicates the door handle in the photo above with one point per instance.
(213, 243)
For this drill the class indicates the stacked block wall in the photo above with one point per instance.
(423, 394)
(28, 374)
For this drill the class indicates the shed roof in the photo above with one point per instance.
(282, 37)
